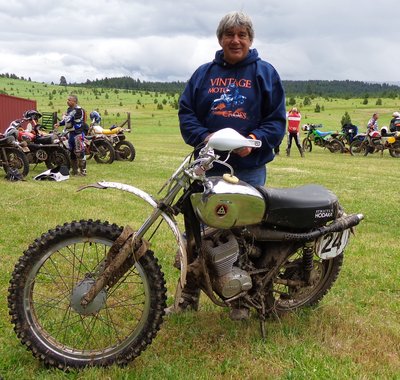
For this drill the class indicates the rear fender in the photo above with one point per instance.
(150, 200)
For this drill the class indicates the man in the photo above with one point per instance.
(294, 118)
(395, 122)
(372, 126)
(73, 121)
(256, 108)
(237, 90)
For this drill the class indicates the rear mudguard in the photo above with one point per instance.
(168, 219)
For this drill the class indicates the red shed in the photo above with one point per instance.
(11, 108)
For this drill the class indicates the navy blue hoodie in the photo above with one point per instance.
(247, 96)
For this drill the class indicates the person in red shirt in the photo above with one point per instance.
(294, 118)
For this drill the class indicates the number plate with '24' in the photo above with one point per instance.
(332, 244)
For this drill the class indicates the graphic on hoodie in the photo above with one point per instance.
(228, 105)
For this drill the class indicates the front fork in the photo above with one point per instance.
(131, 243)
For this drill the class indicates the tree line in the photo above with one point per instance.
(345, 89)
(325, 88)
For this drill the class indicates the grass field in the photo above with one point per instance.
(353, 334)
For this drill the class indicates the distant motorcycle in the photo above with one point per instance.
(322, 139)
(124, 150)
(347, 135)
(97, 147)
(37, 146)
(369, 144)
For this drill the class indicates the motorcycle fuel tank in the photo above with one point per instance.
(226, 205)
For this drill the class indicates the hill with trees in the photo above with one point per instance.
(336, 89)
(345, 89)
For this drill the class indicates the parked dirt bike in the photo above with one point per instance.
(39, 147)
(98, 147)
(322, 139)
(92, 293)
(368, 144)
(124, 150)
(11, 157)
(347, 135)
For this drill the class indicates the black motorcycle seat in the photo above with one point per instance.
(300, 208)
(44, 139)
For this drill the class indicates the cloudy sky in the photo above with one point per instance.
(166, 40)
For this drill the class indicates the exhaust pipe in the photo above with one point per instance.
(341, 224)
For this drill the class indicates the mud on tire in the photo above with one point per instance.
(46, 311)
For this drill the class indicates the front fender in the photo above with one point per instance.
(153, 203)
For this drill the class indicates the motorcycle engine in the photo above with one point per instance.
(222, 251)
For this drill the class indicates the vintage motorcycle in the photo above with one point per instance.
(366, 143)
(38, 147)
(90, 293)
(322, 139)
(124, 150)
(97, 147)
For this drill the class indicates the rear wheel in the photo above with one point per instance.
(307, 145)
(289, 295)
(17, 160)
(103, 151)
(51, 278)
(125, 151)
(394, 150)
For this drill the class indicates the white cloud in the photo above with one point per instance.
(165, 40)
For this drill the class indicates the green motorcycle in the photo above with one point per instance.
(322, 139)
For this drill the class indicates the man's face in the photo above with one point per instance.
(71, 102)
(235, 43)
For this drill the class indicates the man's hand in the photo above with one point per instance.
(243, 152)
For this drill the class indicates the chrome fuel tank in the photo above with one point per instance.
(226, 205)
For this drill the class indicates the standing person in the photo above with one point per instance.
(73, 121)
(372, 126)
(95, 118)
(294, 118)
(395, 122)
(237, 90)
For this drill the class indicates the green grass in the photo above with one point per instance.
(353, 334)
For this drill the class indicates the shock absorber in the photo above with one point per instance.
(308, 262)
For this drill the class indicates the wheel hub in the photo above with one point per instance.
(80, 291)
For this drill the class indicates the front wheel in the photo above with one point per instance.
(307, 145)
(358, 148)
(103, 151)
(125, 151)
(16, 160)
(49, 281)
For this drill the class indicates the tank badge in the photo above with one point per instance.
(221, 210)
